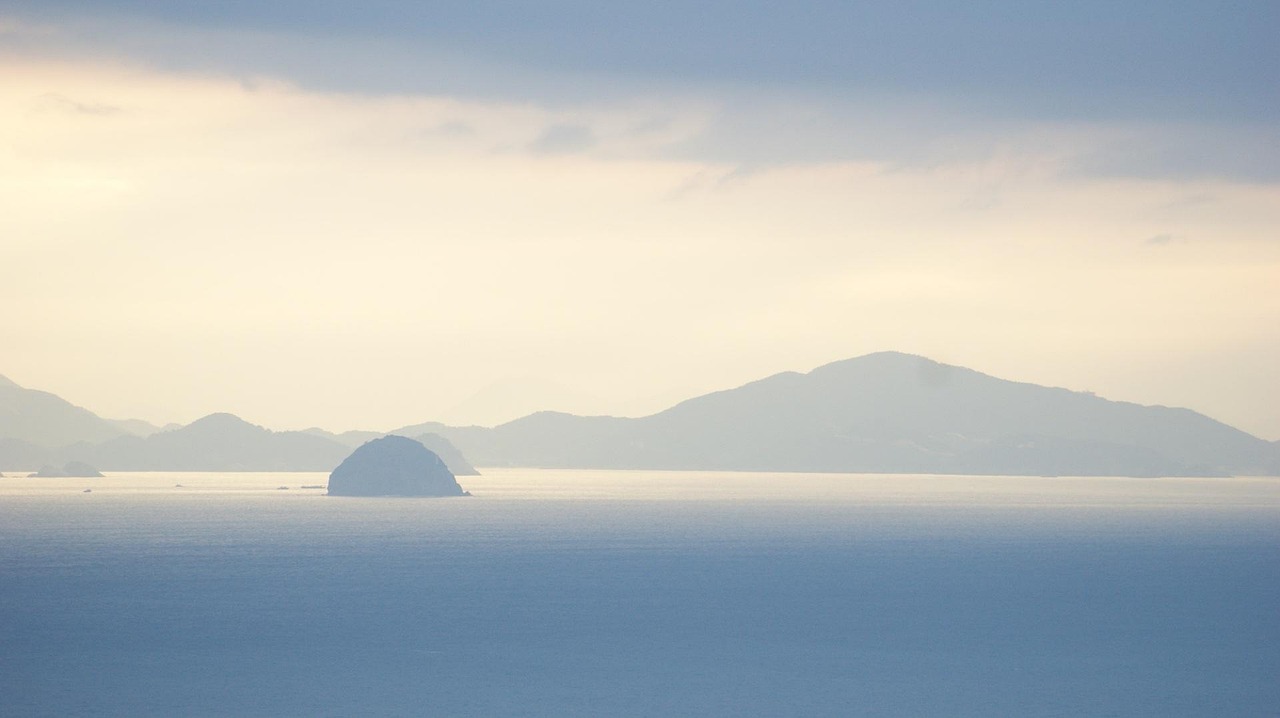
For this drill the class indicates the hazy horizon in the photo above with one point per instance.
(499, 399)
(370, 216)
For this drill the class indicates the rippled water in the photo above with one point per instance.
(555, 593)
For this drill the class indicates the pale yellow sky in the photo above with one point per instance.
(176, 243)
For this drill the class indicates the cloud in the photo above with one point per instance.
(1248, 153)
(564, 139)
(1160, 239)
(14, 29)
(1177, 95)
(454, 128)
(651, 126)
(1082, 61)
(54, 102)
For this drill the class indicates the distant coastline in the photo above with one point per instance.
(884, 413)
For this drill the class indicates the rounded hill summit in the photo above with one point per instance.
(393, 466)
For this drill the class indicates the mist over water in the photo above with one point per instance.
(641, 593)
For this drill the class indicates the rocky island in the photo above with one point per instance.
(393, 466)
(77, 469)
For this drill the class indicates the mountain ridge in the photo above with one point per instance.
(47, 420)
(886, 412)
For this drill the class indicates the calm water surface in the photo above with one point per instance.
(562, 593)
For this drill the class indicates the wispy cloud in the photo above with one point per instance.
(54, 102)
(454, 128)
(874, 85)
(564, 139)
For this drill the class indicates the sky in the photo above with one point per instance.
(365, 215)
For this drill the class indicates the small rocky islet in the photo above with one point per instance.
(72, 469)
(393, 466)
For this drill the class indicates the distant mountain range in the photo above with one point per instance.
(447, 452)
(883, 413)
(880, 413)
(44, 419)
(38, 428)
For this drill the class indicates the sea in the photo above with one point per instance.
(641, 593)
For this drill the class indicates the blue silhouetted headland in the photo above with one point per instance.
(393, 466)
